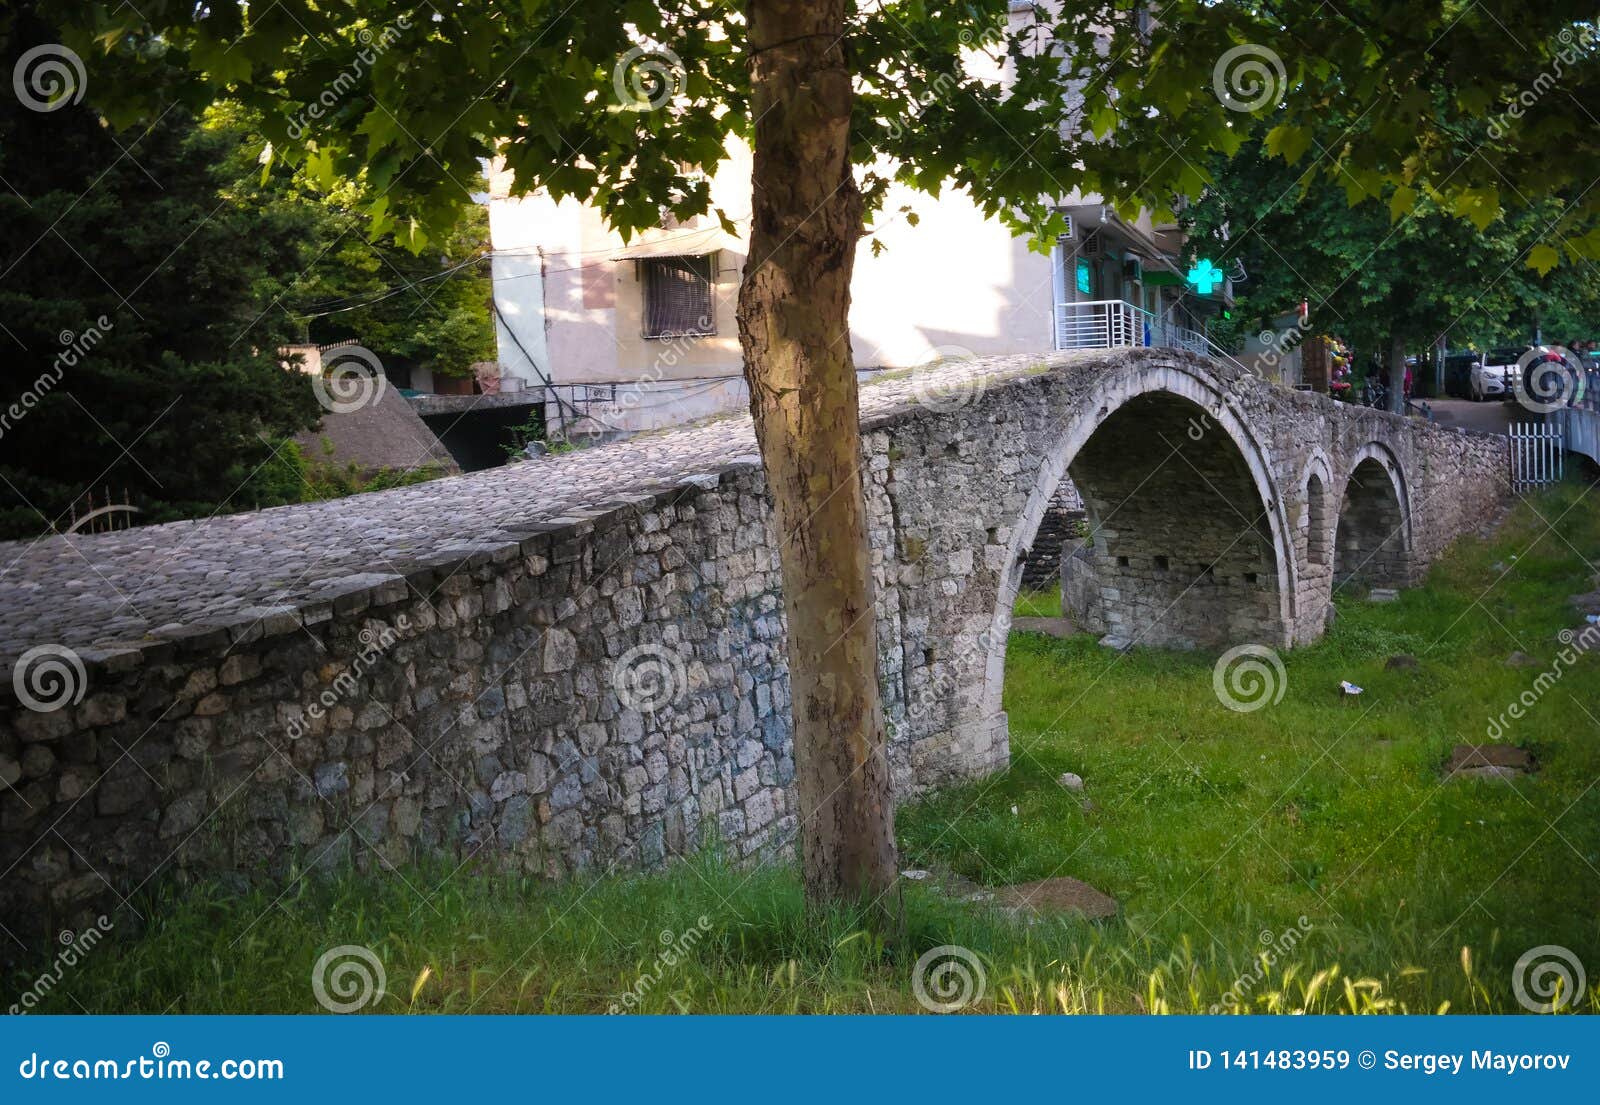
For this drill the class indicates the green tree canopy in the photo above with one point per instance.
(140, 367)
(1370, 278)
(428, 309)
(1488, 104)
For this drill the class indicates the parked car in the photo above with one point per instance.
(1458, 369)
(1496, 377)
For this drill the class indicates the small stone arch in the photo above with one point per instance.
(1373, 540)
(1313, 524)
(1212, 415)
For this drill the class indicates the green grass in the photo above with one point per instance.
(1039, 604)
(1217, 831)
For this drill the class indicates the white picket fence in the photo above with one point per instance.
(1536, 455)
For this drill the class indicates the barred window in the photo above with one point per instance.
(677, 296)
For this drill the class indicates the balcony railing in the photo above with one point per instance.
(1115, 323)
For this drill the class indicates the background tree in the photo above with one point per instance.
(1485, 106)
(1390, 286)
(128, 288)
(626, 106)
(418, 310)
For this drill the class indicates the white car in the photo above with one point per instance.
(1495, 376)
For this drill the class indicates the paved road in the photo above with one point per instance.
(1491, 417)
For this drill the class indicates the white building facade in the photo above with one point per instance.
(631, 336)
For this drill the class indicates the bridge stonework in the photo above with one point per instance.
(579, 662)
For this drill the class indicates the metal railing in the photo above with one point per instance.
(1537, 459)
(1099, 324)
(1116, 323)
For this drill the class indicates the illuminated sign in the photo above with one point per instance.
(1205, 276)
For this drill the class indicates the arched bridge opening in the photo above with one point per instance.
(1180, 546)
(1372, 545)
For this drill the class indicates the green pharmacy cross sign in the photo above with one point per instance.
(1205, 276)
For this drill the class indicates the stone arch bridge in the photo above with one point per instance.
(579, 661)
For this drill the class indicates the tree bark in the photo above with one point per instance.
(1397, 375)
(794, 306)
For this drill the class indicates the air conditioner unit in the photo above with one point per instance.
(1093, 245)
(1065, 213)
(1133, 267)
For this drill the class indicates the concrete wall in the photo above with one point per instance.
(1580, 429)
(520, 338)
(954, 285)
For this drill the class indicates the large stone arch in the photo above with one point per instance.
(1373, 539)
(1183, 411)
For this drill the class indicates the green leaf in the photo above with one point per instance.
(219, 61)
(1481, 205)
(1228, 140)
(319, 167)
(1103, 119)
(415, 236)
(379, 127)
(1288, 142)
(1543, 258)
(1401, 202)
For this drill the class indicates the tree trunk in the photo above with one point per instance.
(1397, 375)
(794, 307)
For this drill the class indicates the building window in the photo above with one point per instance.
(677, 296)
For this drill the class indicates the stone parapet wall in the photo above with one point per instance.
(579, 662)
(609, 692)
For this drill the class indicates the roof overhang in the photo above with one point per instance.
(1103, 217)
(678, 243)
